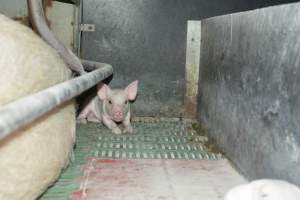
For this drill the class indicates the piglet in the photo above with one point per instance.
(264, 189)
(111, 106)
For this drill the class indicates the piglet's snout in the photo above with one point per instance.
(118, 115)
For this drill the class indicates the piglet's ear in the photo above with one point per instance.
(104, 91)
(131, 90)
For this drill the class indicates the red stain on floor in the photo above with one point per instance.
(77, 195)
(155, 179)
(107, 161)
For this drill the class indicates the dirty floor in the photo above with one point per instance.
(162, 160)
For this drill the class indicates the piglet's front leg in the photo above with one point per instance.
(83, 115)
(127, 125)
(111, 124)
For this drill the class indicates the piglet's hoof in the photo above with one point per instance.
(128, 129)
(117, 131)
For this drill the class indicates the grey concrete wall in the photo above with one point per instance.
(146, 40)
(13, 8)
(250, 89)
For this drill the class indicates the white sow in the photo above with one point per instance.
(32, 158)
(264, 190)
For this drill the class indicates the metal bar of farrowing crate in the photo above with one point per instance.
(25, 110)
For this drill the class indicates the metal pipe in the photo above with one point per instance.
(25, 110)
(91, 65)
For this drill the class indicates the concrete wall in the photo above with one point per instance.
(146, 40)
(250, 89)
(62, 20)
(13, 8)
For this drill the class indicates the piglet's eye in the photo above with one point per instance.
(109, 101)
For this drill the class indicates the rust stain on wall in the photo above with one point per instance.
(46, 5)
(190, 107)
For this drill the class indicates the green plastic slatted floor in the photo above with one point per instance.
(163, 139)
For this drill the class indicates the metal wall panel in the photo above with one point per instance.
(250, 89)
